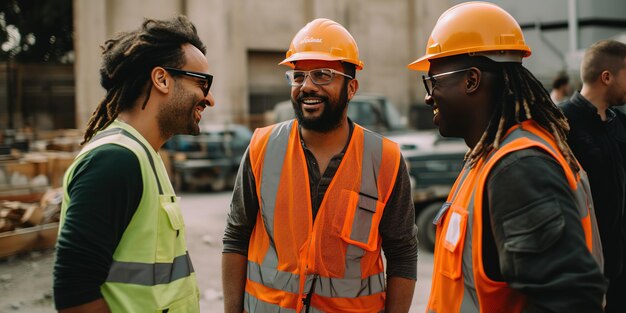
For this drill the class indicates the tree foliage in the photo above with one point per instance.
(36, 31)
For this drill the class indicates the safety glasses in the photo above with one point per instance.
(205, 79)
(431, 81)
(320, 76)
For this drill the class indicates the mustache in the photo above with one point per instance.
(303, 95)
(204, 103)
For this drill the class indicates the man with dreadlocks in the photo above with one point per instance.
(598, 139)
(516, 234)
(121, 244)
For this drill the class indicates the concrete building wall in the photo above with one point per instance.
(551, 47)
(246, 38)
(89, 34)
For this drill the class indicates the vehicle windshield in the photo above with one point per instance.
(375, 114)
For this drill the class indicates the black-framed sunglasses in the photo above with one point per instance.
(431, 81)
(207, 79)
(320, 76)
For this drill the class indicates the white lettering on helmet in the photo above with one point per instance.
(308, 39)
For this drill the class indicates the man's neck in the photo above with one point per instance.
(324, 142)
(324, 146)
(596, 98)
(147, 127)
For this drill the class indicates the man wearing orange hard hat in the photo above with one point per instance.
(517, 233)
(318, 197)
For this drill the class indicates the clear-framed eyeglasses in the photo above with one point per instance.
(320, 76)
(431, 81)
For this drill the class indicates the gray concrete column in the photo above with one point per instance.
(237, 50)
(89, 34)
(213, 19)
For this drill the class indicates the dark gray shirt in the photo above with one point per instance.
(397, 226)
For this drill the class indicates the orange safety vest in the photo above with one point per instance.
(459, 281)
(333, 263)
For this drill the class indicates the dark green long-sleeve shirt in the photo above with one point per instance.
(105, 192)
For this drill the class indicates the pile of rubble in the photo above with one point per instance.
(26, 226)
(16, 214)
(31, 163)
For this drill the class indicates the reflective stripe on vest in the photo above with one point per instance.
(268, 151)
(147, 274)
(277, 145)
(471, 180)
(324, 286)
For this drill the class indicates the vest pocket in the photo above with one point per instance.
(169, 203)
(170, 229)
(534, 228)
(184, 305)
(452, 238)
(361, 218)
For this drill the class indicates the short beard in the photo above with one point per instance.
(331, 117)
(175, 116)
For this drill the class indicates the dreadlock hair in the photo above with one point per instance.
(519, 97)
(128, 59)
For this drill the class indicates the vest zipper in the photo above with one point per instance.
(306, 301)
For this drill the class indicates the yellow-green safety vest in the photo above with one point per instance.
(151, 269)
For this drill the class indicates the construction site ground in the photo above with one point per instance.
(26, 280)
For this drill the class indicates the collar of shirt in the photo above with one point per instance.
(579, 100)
(613, 124)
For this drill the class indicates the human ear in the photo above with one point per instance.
(605, 77)
(160, 79)
(472, 80)
(353, 86)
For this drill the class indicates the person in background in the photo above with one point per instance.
(121, 245)
(317, 197)
(515, 234)
(598, 139)
(561, 89)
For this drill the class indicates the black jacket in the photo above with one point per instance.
(532, 237)
(600, 147)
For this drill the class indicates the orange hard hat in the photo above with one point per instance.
(323, 39)
(480, 28)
